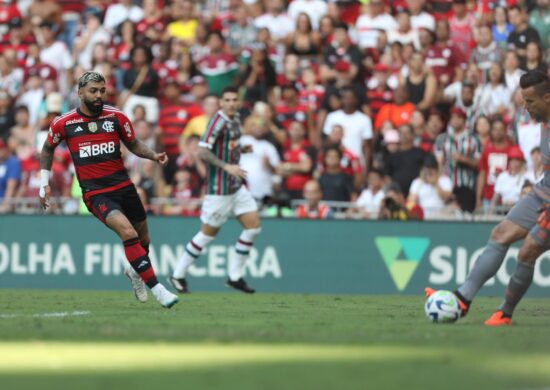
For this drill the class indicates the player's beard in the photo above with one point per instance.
(94, 108)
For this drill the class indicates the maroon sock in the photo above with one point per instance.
(140, 262)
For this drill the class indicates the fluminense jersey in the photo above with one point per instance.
(222, 137)
(94, 143)
(542, 188)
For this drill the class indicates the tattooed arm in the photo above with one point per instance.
(46, 160)
(207, 156)
(141, 150)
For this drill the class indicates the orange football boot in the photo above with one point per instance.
(499, 319)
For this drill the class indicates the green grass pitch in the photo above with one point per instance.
(265, 341)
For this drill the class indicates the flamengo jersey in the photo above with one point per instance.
(222, 138)
(94, 143)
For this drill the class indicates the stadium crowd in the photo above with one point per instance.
(404, 109)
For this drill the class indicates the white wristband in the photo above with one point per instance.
(44, 178)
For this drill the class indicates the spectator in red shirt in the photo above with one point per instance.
(445, 58)
(17, 40)
(462, 25)
(290, 109)
(173, 118)
(494, 160)
(297, 163)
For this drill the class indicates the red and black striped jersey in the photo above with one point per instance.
(94, 144)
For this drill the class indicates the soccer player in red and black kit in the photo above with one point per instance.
(93, 133)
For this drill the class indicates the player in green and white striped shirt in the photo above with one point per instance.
(226, 194)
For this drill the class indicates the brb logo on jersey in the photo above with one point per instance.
(88, 150)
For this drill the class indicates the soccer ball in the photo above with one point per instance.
(442, 307)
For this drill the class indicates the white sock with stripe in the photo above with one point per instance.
(193, 250)
(242, 251)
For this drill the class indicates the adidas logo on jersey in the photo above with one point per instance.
(79, 129)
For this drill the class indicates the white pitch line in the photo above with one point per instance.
(49, 315)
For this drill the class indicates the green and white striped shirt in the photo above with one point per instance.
(222, 138)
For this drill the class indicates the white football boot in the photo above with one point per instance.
(164, 297)
(140, 289)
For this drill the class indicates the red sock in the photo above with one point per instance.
(140, 262)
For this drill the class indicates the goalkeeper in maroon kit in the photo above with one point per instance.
(93, 133)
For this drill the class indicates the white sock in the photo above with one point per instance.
(242, 251)
(193, 250)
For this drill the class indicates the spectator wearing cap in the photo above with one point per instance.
(119, 12)
(259, 78)
(10, 176)
(398, 112)
(539, 19)
(279, 23)
(184, 26)
(141, 84)
(18, 40)
(92, 34)
(54, 52)
(458, 152)
(313, 208)
(420, 18)
(404, 165)
(291, 110)
(486, 52)
(431, 190)
(340, 51)
(445, 59)
(462, 26)
(218, 67)
(173, 118)
(373, 19)
(523, 33)
(510, 182)
(493, 161)
(420, 83)
(241, 32)
(495, 97)
(357, 126)
(314, 9)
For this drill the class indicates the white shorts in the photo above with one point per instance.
(217, 208)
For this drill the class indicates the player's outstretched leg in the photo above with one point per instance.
(236, 263)
(141, 264)
(521, 279)
(193, 250)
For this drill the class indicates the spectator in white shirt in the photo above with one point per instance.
(370, 200)
(55, 53)
(119, 12)
(93, 33)
(431, 190)
(419, 18)
(261, 163)
(369, 24)
(357, 126)
(315, 9)
(510, 182)
(279, 24)
(536, 172)
(495, 97)
(404, 34)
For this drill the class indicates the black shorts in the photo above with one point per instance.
(126, 200)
